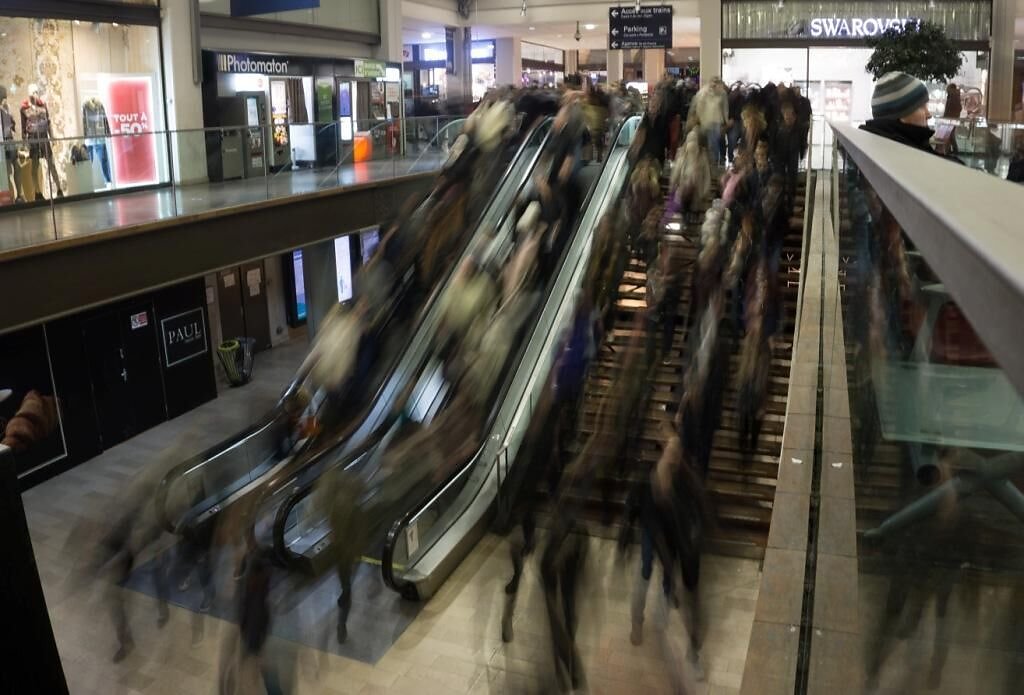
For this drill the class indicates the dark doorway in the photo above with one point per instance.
(243, 304)
(254, 304)
(229, 296)
(124, 372)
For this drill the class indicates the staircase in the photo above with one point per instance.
(741, 491)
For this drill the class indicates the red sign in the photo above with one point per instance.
(130, 102)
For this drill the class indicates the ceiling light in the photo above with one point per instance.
(78, 22)
(931, 4)
(782, 3)
(532, 28)
(589, 27)
(115, 24)
(426, 34)
(522, 12)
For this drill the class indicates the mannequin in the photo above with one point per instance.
(97, 130)
(7, 130)
(35, 127)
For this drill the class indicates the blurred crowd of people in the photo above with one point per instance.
(686, 135)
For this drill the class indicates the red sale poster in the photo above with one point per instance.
(130, 111)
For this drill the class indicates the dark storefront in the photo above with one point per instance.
(87, 382)
(276, 112)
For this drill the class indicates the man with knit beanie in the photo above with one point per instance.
(899, 106)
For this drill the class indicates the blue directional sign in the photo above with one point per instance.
(247, 8)
(647, 26)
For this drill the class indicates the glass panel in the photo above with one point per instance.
(937, 433)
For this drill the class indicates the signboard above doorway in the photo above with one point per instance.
(248, 8)
(370, 68)
(645, 26)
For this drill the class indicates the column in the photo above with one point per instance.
(390, 48)
(183, 75)
(32, 663)
(1000, 79)
(572, 62)
(320, 276)
(615, 66)
(454, 83)
(654, 66)
(508, 61)
(710, 39)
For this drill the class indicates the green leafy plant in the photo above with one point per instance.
(922, 50)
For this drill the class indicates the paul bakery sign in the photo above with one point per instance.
(184, 336)
(855, 27)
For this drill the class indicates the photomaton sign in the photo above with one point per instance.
(646, 26)
(855, 27)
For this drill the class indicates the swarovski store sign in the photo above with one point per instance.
(853, 22)
(855, 27)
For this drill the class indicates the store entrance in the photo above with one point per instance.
(124, 371)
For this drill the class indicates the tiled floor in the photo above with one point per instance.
(38, 225)
(453, 645)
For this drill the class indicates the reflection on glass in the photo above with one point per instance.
(938, 440)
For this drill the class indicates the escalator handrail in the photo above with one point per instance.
(213, 452)
(301, 491)
(398, 527)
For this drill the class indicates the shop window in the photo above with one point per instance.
(86, 106)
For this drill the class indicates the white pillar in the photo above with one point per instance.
(183, 74)
(615, 66)
(572, 62)
(710, 39)
(390, 48)
(1000, 77)
(508, 61)
(654, 66)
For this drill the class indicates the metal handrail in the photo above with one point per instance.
(966, 223)
(304, 489)
(274, 483)
(403, 586)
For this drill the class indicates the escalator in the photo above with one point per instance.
(741, 484)
(252, 464)
(302, 533)
(433, 533)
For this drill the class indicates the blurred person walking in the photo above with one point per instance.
(710, 112)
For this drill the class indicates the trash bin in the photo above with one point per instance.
(236, 356)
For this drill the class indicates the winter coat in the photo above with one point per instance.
(711, 107)
(918, 137)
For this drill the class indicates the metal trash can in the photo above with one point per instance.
(236, 356)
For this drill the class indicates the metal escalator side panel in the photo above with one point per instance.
(419, 348)
(507, 431)
(216, 490)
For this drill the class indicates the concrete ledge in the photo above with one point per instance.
(63, 277)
